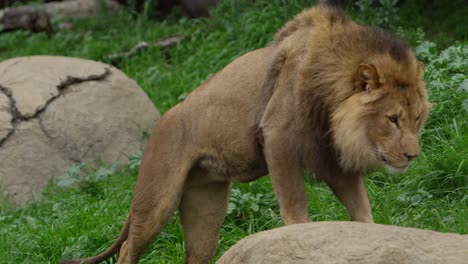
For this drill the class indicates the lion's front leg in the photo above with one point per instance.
(287, 178)
(351, 191)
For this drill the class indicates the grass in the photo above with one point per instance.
(83, 220)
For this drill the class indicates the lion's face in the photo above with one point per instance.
(393, 129)
(379, 125)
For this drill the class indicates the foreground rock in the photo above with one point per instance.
(55, 111)
(348, 242)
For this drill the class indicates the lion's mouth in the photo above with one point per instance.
(392, 167)
(383, 158)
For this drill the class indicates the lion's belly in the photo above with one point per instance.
(234, 150)
(233, 169)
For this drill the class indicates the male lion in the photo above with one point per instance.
(327, 96)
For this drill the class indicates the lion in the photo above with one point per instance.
(328, 96)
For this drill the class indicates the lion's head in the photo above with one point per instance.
(379, 124)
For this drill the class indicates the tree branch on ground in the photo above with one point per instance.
(142, 45)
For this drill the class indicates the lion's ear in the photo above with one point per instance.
(367, 78)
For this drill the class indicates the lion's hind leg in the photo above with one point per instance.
(202, 211)
(165, 166)
(146, 221)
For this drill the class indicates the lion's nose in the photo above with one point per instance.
(411, 156)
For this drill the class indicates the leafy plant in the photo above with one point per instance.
(446, 77)
(134, 160)
(102, 173)
(242, 204)
(74, 174)
(379, 13)
(71, 176)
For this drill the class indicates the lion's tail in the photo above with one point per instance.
(111, 251)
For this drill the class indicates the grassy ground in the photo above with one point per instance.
(84, 220)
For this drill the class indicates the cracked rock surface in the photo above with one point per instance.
(5, 116)
(55, 111)
(348, 242)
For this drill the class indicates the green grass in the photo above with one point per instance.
(85, 219)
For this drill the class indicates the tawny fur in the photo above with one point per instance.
(327, 96)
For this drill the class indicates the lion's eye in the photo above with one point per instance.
(393, 119)
(418, 117)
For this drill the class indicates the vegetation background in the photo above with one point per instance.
(77, 219)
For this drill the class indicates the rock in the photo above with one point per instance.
(198, 8)
(37, 18)
(26, 18)
(194, 8)
(5, 116)
(56, 111)
(81, 8)
(348, 242)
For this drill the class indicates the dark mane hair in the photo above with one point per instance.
(377, 40)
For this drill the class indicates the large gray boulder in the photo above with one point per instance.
(348, 242)
(55, 111)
